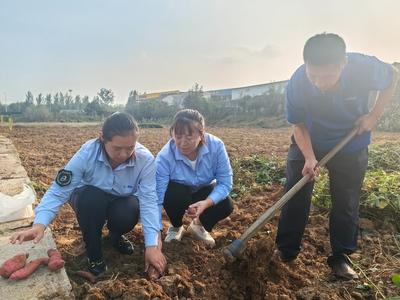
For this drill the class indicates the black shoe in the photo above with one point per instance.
(283, 257)
(97, 267)
(342, 269)
(121, 243)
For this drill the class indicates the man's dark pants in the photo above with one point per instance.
(346, 175)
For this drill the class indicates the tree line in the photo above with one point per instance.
(265, 110)
(61, 107)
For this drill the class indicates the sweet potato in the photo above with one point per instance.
(13, 264)
(55, 260)
(30, 268)
(152, 273)
(191, 210)
(87, 275)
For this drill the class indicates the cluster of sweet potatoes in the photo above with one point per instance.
(16, 267)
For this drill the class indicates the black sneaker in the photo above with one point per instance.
(97, 267)
(121, 243)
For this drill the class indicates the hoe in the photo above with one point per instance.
(234, 250)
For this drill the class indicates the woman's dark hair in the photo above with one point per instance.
(119, 123)
(187, 121)
(324, 49)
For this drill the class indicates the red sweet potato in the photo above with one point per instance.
(87, 275)
(191, 210)
(55, 260)
(13, 264)
(152, 273)
(30, 268)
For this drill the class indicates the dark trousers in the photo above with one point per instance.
(93, 207)
(346, 175)
(178, 197)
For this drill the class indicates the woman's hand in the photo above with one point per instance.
(154, 257)
(35, 233)
(196, 209)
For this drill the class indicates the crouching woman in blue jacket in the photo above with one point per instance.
(109, 180)
(194, 177)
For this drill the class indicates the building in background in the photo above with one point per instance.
(249, 91)
(157, 95)
(176, 97)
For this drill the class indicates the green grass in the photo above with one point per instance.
(254, 171)
(380, 192)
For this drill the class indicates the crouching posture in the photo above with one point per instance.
(109, 180)
(194, 177)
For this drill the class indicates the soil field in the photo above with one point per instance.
(195, 272)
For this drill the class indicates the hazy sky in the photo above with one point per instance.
(84, 45)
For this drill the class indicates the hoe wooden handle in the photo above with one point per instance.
(236, 247)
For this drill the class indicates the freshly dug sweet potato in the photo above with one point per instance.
(152, 273)
(29, 268)
(87, 275)
(55, 260)
(191, 210)
(13, 264)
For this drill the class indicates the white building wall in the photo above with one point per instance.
(278, 87)
(175, 99)
(232, 94)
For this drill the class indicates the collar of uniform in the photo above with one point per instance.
(102, 156)
(128, 163)
(131, 161)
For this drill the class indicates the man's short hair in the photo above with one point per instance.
(324, 49)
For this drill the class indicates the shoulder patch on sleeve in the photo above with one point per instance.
(64, 177)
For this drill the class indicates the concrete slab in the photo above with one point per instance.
(43, 284)
(12, 174)
(15, 225)
(13, 179)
